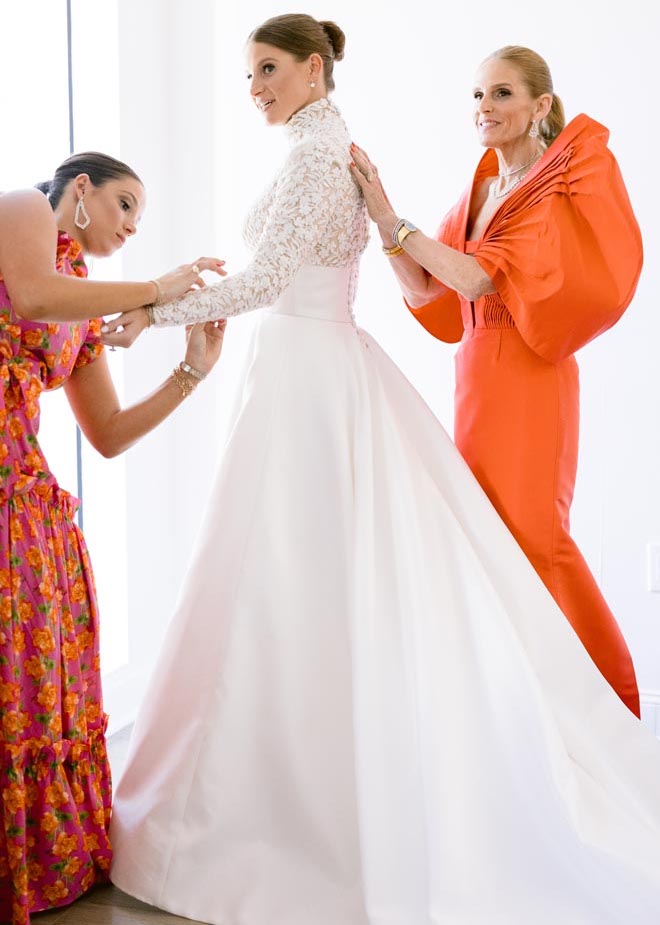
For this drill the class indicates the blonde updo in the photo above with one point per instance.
(301, 36)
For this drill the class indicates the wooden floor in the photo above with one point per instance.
(106, 905)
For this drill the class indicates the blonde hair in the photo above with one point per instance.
(536, 76)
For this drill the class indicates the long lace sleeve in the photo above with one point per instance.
(307, 196)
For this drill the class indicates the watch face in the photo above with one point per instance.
(409, 226)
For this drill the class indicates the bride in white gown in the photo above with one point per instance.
(368, 710)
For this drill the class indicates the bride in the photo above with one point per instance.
(368, 710)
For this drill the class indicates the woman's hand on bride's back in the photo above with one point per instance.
(366, 176)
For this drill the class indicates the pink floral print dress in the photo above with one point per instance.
(54, 778)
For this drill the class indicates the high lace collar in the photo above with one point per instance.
(317, 117)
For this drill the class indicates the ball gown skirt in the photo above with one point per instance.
(368, 710)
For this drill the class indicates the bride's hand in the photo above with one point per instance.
(186, 277)
(376, 199)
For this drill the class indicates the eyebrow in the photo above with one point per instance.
(263, 61)
(128, 195)
(494, 87)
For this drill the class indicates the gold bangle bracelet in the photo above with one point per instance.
(393, 251)
(184, 381)
(160, 295)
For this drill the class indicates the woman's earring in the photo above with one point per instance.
(312, 83)
(81, 219)
(534, 130)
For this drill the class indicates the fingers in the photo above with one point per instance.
(360, 150)
(210, 263)
(216, 328)
(111, 326)
(357, 175)
(363, 162)
(119, 339)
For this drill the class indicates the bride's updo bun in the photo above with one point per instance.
(301, 36)
(336, 36)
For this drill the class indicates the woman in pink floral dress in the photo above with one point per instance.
(54, 774)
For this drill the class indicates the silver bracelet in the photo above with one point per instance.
(397, 228)
(195, 373)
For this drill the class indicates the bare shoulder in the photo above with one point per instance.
(28, 231)
(26, 205)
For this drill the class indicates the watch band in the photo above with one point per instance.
(195, 373)
(403, 233)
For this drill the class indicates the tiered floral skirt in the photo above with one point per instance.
(55, 777)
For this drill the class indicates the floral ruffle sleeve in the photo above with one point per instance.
(91, 347)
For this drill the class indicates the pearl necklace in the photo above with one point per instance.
(518, 169)
(503, 176)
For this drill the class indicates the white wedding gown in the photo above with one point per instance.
(368, 710)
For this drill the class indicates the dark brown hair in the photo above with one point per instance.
(536, 76)
(99, 167)
(301, 36)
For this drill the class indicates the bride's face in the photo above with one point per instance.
(280, 85)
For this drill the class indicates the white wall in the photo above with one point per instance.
(188, 128)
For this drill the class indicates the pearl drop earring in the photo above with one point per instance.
(312, 84)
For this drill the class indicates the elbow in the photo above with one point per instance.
(28, 309)
(111, 448)
(29, 299)
(474, 290)
(108, 451)
(105, 448)
(470, 293)
(107, 445)
(416, 301)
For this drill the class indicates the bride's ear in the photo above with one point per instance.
(315, 67)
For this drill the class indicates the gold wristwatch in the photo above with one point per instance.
(401, 231)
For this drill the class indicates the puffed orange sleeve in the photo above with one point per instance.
(565, 251)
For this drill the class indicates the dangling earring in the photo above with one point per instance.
(534, 130)
(312, 83)
(81, 212)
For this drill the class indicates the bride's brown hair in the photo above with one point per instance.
(301, 36)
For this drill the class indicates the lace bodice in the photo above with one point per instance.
(312, 214)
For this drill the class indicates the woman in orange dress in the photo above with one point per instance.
(540, 255)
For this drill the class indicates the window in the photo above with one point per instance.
(36, 60)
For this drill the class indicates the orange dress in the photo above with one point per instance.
(564, 252)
